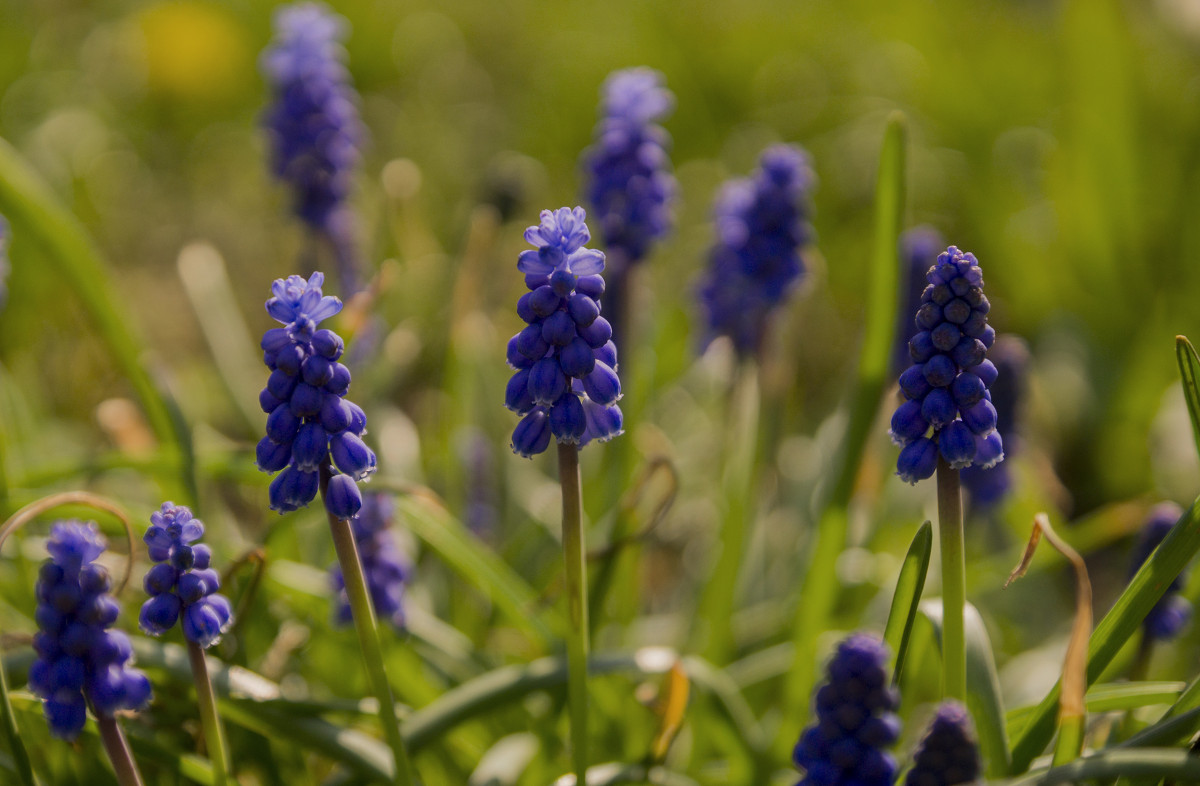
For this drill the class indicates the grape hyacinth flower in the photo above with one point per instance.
(309, 419)
(387, 569)
(314, 124)
(919, 248)
(566, 383)
(948, 410)
(80, 661)
(855, 721)
(630, 186)
(1010, 356)
(1172, 612)
(948, 754)
(762, 224)
(182, 585)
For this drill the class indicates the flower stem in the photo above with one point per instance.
(15, 745)
(206, 698)
(954, 581)
(367, 627)
(577, 606)
(118, 751)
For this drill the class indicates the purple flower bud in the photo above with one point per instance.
(342, 498)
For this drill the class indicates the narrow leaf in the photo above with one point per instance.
(1153, 763)
(983, 686)
(1189, 369)
(907, 597)
(1121, 622)
(672, 704)
(818, 594)
(1110, 697)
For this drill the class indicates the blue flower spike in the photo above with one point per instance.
(856, 720)
(80, 661)
(949, 753)
(313, 124)
(948, 410)
(565, 383)
(762, 225)
(386, 567)
(1171, 614)
(182, 584)
(1010, 356)
(310, 422)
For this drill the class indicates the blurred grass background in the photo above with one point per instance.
(1059, 141)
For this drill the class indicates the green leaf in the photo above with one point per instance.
(907, 596)
(1189, 364)
(1109, 697)
(1156, 763)
(983, 687)
(816, 598)
(507, 684)
(431, 522)
(36, 213)
(1169, 731)
(1117, 627)
(614, 773)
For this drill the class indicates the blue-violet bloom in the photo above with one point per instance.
(309, 419)
(80, 661)
(386, 568)
(1172, 612)
(630, 185)
(948, 754)
(856, 720)
(947, 409)
(919, 249)
(566, 383)
(986, 488)
(182, 584)
(762, 225)
(313, 123)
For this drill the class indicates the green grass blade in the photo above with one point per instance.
(1121, 622)
(463, 552)
(1189, 364)
(1170, 731)
(818, 594)
(35, 212)
(1153, 763)
(907, 597)
(12, 733)
(1111, 697)
(983, 687)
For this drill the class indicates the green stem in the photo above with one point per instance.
(13, 733)
(741, 439)
(118, 751)
(206, 699)
(577, 607)
(367, 627)
(954, 581)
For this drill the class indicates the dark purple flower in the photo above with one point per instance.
(309, 421)
(1172, 612)
(182, 585)
(1010, 356)
(79, 659)
(948, 754)
(762, 224)
(948, 409)
(855, 720)
(564, 384)
(386, 568)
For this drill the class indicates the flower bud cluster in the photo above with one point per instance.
(385, 567)
(314, 123)
(1010, 356)
(566, 383)
(855, 722)
(631, 185)
(1172, 612)
(948, 409)
(309, 418)
(948, 754)
(79, 660)
(762, 223)
(182, 585)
